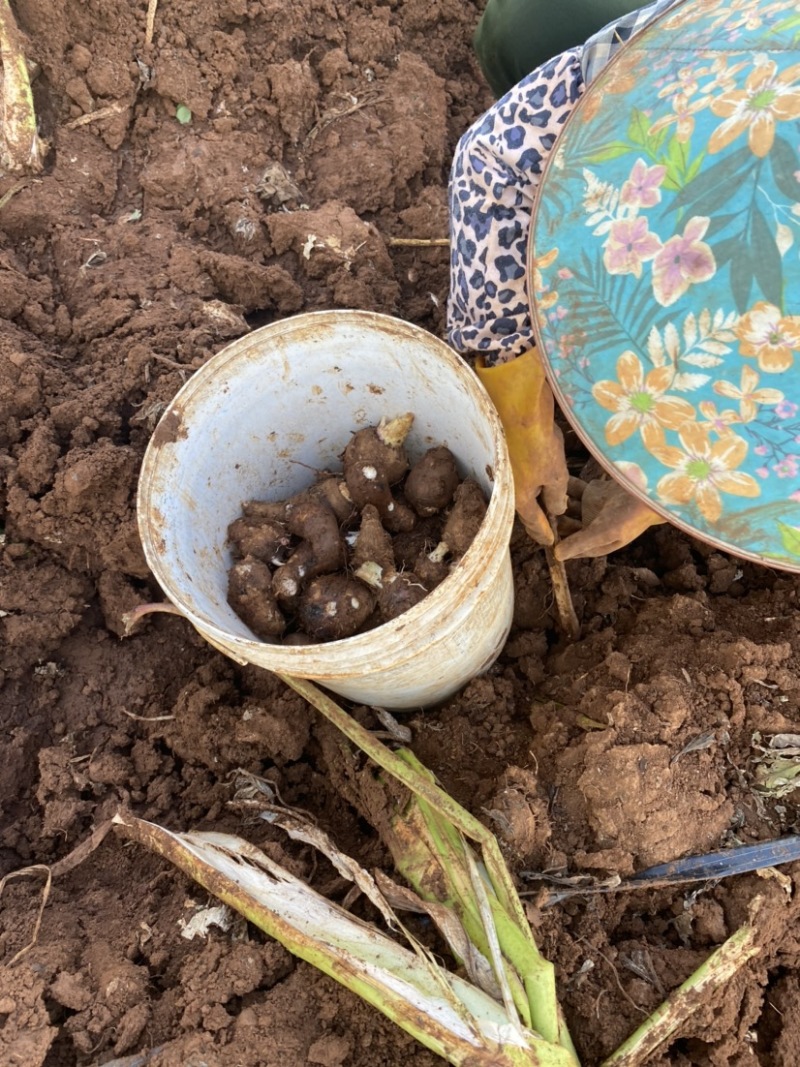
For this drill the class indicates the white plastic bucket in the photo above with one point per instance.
(257, 420)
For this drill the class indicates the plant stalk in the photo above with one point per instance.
(537, 974)
(444, 1013)
(720, 966)
(23, 149)
(565, 609)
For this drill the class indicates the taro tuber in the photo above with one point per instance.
(374, 563)
(409, 546)
(382, 447)
(298, 639)
(357, 549)
(250, 596)
(332, 490)
(265, 510)
(368, 486)
(433, 567)
(373, 543)
(374, 461)
(395, 592)
(336, 495)
(432, 481)
(398, 593)
(320, 551)
(264, 539)
(334, 606)
(464, 521)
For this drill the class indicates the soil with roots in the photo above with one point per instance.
(320, 132)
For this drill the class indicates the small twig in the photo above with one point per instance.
(27, 872)
(393, 728)
(95, 116)
(419, 242)
(151, 22)
(66, 864)
(330, 116)
(17, 187)
(565, 609)
(615, 972)
(82, 851)
(147, 718)
(130, 618)
(170, 362)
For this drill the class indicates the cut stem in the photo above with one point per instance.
(426, 790)
(565, 609)
(150, 22)
(442, 1011)
(720, 966)
(536, 972)
(419, 242)
(22, 149)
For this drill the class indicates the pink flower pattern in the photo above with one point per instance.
(643, 187)
(683, 260)
(629, 244)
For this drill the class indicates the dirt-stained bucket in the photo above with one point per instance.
(257, 420)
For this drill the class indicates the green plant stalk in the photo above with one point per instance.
(537, 998)
(422, 787)
(23, 150)
(538, 974)
(451, 1017)
(433, 1005)
(720, 966)
(431, 855)
(444, 861)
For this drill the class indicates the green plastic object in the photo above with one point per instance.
(514, 37)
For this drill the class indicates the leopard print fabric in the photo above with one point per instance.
(495, 172)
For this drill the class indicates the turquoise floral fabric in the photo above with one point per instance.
(665, 271)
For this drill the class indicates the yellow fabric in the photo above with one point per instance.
(524, 401)
(612, 519)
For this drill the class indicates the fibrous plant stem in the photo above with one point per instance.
(565, 609)
(657, 1028)
(22, 148)
(539, 978)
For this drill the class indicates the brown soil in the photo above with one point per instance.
(143, 249)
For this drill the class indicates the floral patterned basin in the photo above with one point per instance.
(665, 267)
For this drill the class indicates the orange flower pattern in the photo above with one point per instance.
(748, 394)
(767, 97)
(704, 470)
(769, 336)
(640, 401)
